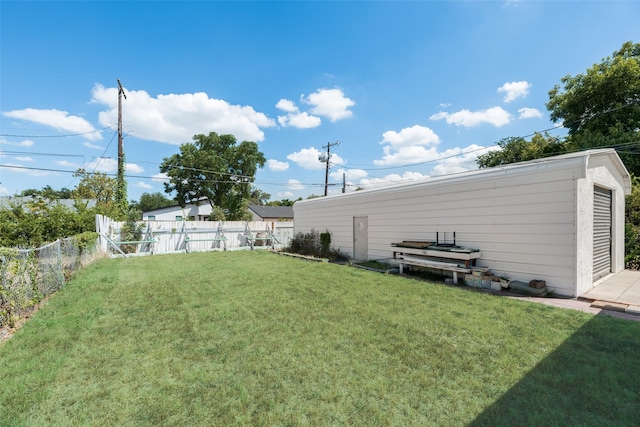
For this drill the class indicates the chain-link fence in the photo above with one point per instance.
(29, 275)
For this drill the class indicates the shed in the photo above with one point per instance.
(559, 219)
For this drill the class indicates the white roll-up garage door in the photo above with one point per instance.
(601, 232)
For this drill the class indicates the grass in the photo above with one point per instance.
(251, 338)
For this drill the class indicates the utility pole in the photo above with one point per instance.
(326, 158)
(121, 189)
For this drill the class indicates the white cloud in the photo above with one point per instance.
(514, 90)
(93, 146)
(4, 191)
(285, 195)
(23, 143)
(529, 113)
(60, 120)
(287, 106)
(144, 185)
(160, 177)
(175, 118)
(495, 116)
(307, 158)
(392, 179)
(350, 174)
(67, 164)
(133, 168)
(300, 120)
(407, 155)
(415, 135)
(21, 169)
(24, 158)
(277, 166)
(330, 103)
(295, 118)
(294, 184)
(458, 160)
(110, 165)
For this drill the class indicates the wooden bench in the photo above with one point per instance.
(404, 260)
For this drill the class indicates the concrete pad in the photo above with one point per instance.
(633, 309)
(607, 305)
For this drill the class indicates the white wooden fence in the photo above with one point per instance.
(193, 236)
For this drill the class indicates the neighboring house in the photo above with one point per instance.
(191, 212)
(271, 213)
(8, 201)
(559, 219)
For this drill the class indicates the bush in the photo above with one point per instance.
(314, 244)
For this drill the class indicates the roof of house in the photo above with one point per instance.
(272, 211)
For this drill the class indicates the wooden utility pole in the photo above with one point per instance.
(121, 190)
(326, 158)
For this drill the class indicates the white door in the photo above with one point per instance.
(360, 238)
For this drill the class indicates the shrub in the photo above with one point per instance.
(315, 244)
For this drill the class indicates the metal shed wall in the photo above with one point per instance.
(523, 217)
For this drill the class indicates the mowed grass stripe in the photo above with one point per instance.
(252, 338)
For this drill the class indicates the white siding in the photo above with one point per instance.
(522, 217)
(200, 212)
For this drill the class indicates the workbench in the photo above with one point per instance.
(442, 257)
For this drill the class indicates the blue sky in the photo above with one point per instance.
(408, 89)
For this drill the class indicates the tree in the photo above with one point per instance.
(601, 108)
(258, 197)
(149, 202)
(48, 192)
(607, 96)
(283, 202)
(101, 188)
(214, 168)
(517, 149)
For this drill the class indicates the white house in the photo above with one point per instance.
(191, 212)
(559, 219)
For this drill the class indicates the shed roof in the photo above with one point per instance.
(272, 211)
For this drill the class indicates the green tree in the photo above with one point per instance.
(283, 202)
(258, 197)
(101, 188)
(517, 149)
(217, 169)
(151, 201)
(601, 108)
(48, 192)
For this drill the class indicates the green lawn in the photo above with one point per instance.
(253, 338)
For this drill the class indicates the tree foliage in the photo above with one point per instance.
(48, 192)
(151, 201)
(606, 97)
(517, 149)
(41, 221)
(101, 188)
(216, 168)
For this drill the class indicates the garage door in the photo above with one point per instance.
(601, 232)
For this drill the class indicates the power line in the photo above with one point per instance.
(55, 136)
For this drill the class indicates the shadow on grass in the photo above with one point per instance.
(593, 378)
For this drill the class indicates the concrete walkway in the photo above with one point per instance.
(620, 291)
(616, 295)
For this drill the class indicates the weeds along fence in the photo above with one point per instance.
(161, 237)
(29, 275)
